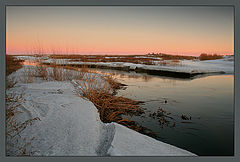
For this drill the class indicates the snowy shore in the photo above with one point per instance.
(184, 68)
(70, 126)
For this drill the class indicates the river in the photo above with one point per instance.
(208, 101)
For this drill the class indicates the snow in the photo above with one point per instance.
(219, 65)
(70, 126)
(225, 65)
(127, 142)
(26, 57)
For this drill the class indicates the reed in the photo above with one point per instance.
(41, 69)
(110, 107)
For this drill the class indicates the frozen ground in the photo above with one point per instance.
(70, 126)
(225, 65)
(187, 66)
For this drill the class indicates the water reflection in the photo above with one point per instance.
(207, 100)
(121, 74)
(30, 63)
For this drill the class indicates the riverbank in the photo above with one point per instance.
(69, 125)
(184, 68)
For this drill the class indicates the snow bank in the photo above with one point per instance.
(26, 58)
(127, 142)
(70, 126)
(225, 65)
(31, 58)
(208, 66)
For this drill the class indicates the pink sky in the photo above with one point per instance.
(119, 30)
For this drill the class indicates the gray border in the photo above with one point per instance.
(235, 3)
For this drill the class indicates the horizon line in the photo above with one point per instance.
(127, 54)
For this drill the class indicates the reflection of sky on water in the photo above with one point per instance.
(29, 63)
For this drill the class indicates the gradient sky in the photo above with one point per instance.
(119, 30)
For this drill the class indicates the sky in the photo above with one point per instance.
(178, 30)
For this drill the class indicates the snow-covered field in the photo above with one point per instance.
(225, 65)
(70, 126)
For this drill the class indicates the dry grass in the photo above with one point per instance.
(101, 95)
(52, 72)
(113, 82)
(12, 64)
(175, 61)
(175, 57)
(41, 70)
(29, 75)
(57, 72)
(136, 59)
(149, 59)
(13, 127)
(111, 107)
(103, 58)
(62, 73)
(10, 82)
(205, 56)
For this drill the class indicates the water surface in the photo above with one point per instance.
(207, 100)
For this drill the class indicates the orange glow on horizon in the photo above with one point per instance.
(15, 46)
(118, 30)
(21, 49)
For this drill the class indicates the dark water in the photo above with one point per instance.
(207, 100)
